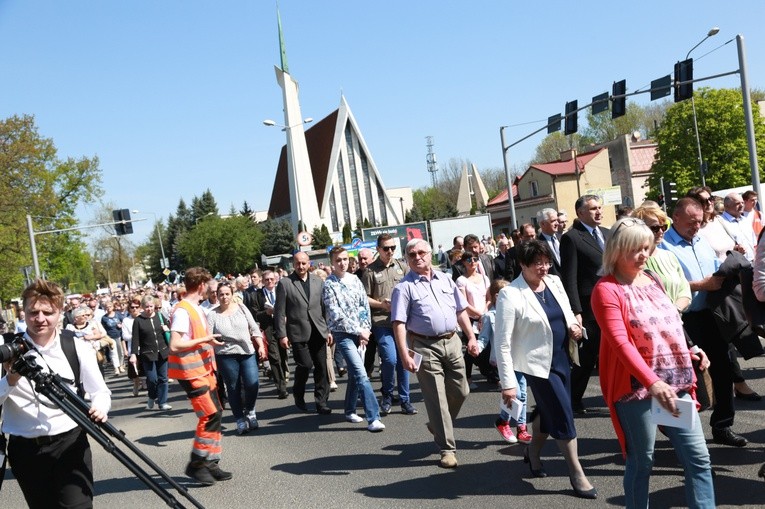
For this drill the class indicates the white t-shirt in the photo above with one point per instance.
(181, 321)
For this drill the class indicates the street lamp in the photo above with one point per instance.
(271, 123)
(702, 170)
(510, 199)
(163, 263)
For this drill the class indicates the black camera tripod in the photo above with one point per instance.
(53, 387)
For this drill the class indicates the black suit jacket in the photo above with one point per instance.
(555, 268)
(259, 307)
(581, 261)
(458, 269)
(297, 314)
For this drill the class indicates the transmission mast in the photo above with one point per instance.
(431, 160)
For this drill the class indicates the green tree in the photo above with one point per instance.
(601, 128)
(431, 203)
(347, 233)
(231, 245)
(246, 210)
(149, 253)
(37, 182)
(550, 148)
(278, 237)
(177, 225)
(203, 206)
(723, 142)
(321, 237)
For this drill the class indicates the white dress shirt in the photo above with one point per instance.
(29, 414)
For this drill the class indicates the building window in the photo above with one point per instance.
(534, 188)
(367, 187)
(352, 170)
(333, 211)
(381, 200)
(343, 191)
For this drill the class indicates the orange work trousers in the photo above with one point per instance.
(203, 393)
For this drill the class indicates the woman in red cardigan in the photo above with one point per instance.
(644, 356)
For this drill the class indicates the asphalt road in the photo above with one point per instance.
(313, 461)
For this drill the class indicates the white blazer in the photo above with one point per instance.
(523, 338)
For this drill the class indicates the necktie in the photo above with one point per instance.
(598, 239)
(270, 296)
(556, 251)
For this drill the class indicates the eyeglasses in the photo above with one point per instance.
(473, 259)
(417, 254)
(135, 307)
(540, 264)
(388, 248)
(628, 222)
(655, 228)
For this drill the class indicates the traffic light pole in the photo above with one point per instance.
(33, 244)
(748, 119)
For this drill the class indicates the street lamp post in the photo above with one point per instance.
(297, 214)
(510, 199)
(163, 262)
(702, 170)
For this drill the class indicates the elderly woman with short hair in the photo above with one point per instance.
(644, 357)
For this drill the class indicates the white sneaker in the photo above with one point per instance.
(353, 418)
(165, 407)
(241, 427)
(252, 421)
(376, 426)
(333, 387)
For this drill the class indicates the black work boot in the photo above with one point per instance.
(198, 470)
(216, 472)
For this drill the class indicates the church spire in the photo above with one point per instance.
(282, 47)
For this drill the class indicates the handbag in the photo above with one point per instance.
(165, 332)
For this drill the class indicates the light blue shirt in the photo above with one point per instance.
(429, 307)
(697, 259)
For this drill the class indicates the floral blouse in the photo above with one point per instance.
(346, 304)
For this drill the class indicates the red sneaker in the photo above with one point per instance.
(504, 430)
(523, 435)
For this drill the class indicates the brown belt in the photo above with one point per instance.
(431, 338)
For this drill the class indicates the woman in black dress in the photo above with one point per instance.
(533, 325)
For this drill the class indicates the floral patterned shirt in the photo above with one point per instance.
(346, 304)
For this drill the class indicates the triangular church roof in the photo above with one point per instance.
(319, 140)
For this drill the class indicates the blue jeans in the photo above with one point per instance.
(156, 379)
(240, 371)
(520, 394)
(357, 377)
(390, 364)
(689, 445)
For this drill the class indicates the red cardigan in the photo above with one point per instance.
(619, 359)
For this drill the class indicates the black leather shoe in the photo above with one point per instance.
(540, 472)
(590, 494)
(725, 436)
(301, 405)
(752, 396)
(283, 395)
(323, 410)
(579, 409)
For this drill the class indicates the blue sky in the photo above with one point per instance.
(171, 95)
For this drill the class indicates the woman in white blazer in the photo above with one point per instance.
(533, 332)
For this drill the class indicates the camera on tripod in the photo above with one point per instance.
(13, 348)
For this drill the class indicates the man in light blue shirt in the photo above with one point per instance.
(699, 263)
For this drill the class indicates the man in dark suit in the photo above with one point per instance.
(581, 253)
(262, 301)
(512, 266)
(299, 320)
(548, 224)
(500, 261)
(485, 266)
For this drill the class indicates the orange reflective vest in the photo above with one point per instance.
(197, 361)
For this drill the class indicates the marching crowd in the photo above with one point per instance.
(662, 307)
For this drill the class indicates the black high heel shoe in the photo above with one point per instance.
(536, 473)
(590, 494)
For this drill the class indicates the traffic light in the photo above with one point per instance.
(660, 200)
(619, 106)
(683, 72)
(124, 225)
(571, 117)
(669, 191)
(553, 123)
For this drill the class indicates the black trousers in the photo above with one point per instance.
(54, 474)
(277, 357)
(589, 350)
(703, 331)
(311, 354)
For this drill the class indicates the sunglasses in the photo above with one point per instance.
(473, 259)
(388, 248)
(417, 254)
(135, 307)
(659, 227)
(628, 222)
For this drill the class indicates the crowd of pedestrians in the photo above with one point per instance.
(648, 303)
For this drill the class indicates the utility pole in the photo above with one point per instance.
(431, 160)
